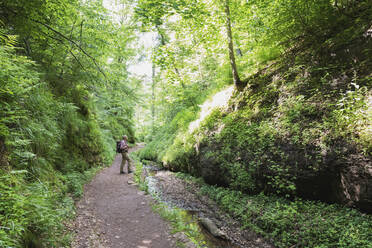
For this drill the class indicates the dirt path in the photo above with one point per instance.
(114, 214)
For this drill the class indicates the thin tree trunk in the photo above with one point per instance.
(153, 98)
(238, 83)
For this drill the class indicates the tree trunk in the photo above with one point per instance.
(153, 99)
(238, 83)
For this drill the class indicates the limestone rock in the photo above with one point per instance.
(131, 182)
(355, 186)
(212, 228)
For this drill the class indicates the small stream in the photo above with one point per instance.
(190, 214)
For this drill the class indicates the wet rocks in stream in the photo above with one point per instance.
(186, 195)
(212, 228)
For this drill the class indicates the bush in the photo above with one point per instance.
(32, 213)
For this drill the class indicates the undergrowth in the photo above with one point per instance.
(34, 214)
(297, 223)
(138, 172)
(49, 147)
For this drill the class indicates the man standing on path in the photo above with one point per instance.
(124, 148)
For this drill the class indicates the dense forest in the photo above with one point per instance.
(267, 102)
(66, 96)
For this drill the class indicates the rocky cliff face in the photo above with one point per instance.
(354, 184)
(340, 180)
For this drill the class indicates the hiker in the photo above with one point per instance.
(124, 154)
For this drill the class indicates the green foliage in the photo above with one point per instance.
(32, 213)
(139, 176)
(164, 138)
(295, 223)
(352, 117)
(5, 38)
(59, 118)
(75, 181)
(307, 109)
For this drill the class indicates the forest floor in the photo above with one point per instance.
(113, 213)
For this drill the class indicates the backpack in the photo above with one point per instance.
(118, 150)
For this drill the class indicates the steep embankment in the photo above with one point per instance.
(301, 127)
(48, 148)
(301, 130)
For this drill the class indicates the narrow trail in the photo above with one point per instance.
(114, 214)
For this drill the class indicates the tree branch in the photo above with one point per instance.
(78, 61)
(74, 43)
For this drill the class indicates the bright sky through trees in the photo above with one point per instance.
(142, 65)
